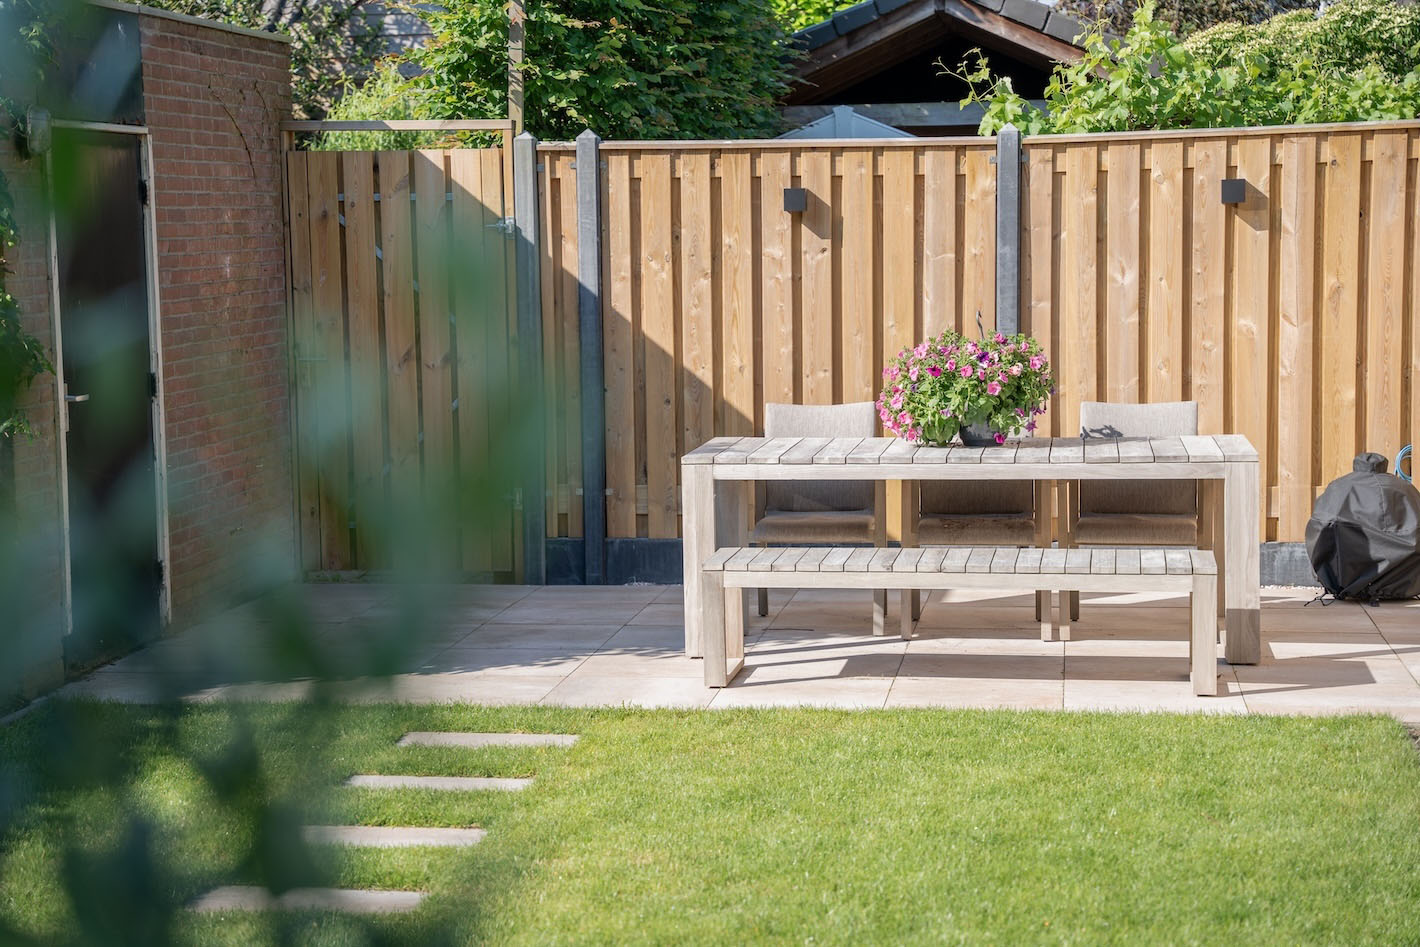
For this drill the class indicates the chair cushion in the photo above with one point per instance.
(1136, 529)
(952, 530)
(960, 497)
(1160, 419)
(854, 526)
(858, 419)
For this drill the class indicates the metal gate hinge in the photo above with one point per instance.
(505, 224)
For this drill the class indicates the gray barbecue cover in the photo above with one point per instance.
(1364, 535)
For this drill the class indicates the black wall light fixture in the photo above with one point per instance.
(1234, 190)
(796, 200)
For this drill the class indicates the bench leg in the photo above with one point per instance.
(879, 612)
(1064, 616)
(906, 615)
(1203, 648)
(714, 627)
(1042, 615)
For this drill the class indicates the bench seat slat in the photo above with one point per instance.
(836, 559)
(1102, 562)
(1178, 562)
(1077, 561)
(1052, 561)
(1028, 562)
(740, 561)
(859, 560)
(931, 560)
(837, 450)
(772, 450)
(1151, 562)
(1004, 560)
(1204, 562)
(955, 559)
(788, 561)
(805, 450)
(979, 559)
(1127, 562)
(964, 455)
(813, 558)
(882, 560)
(765, 559)
(716, 563)
(907, 560)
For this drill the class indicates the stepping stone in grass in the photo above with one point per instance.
(342, 900)
(477, 740)
(446, 783)
(381, 836)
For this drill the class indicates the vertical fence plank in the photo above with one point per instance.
(1165, 345)
(1122, 225)
(1413, 365)
(1385, 291)
(479, 333)
(1077, 373)
(816, 330)
(329, 361)
(1249, 362)
(401, 354)
(620, 361)
(306, 448)
(696, 303)
(1296, 319)
(1039, 223)
(979, 272)
(899, 220)
(432, 233)
(939, 240)
(658, 336)
(495, 205)
(1208, 285)
(569, 356)
(549, 249)
(776, 285)
(737, 222)
(1340, 304)
(366, 405)
(858, 228)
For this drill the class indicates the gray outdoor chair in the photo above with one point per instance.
(971, 513)
(1134, 512)
(821, 511)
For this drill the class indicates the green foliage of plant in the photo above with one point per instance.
(798, 14)
(25, 48)
(624, 68)
(935, 389)
(385, 96)
(1184, 17)
(331, 41)
(1295, 69)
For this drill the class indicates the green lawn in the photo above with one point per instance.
(823, 826)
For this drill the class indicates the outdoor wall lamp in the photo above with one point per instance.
(796, 200)
(1234, 190)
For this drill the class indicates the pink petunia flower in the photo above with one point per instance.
(897, 401)
(1016, 369)
(946, 412)
(981, 374)
(1036, 361)
(966, 371)
(1000, 339)
(934, 371)
(1000, 438)
(904, 419)
(951, 364)
(993, 389)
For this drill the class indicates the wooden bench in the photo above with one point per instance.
(727, 573)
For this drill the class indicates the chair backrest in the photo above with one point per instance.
(858, 419)
(1163, 419)
(985, 497)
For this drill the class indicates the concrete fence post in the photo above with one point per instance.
(589, 324)
(1008, 230)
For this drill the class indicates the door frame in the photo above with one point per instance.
(155, 365)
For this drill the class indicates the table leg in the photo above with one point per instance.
(1044, 533)
(714, 628)
(1203, 646)
(1242, 595)
(697, 545)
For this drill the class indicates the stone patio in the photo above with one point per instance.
(622, 646)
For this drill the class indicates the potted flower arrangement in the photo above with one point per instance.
(985, 390)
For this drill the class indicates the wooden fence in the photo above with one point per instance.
(716, 300)
(402, 328)
(1292, 317)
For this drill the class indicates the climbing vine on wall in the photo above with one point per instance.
(23, 40)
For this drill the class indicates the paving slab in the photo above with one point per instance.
(441, 783)
(391, 836)
(341, 900)
(479, 740)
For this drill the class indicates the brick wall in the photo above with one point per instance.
(213, 100)
(30, 559)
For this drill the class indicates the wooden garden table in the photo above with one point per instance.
(717, 481)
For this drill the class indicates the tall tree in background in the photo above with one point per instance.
(333, 43)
